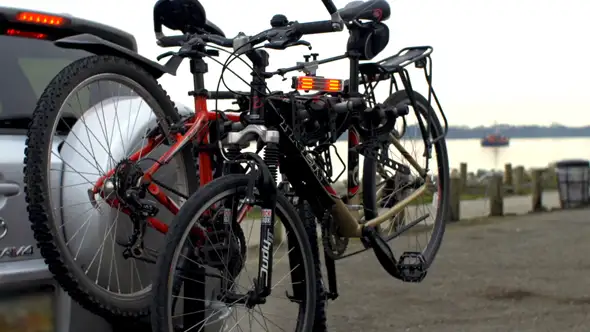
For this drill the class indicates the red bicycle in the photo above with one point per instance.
(113, 140)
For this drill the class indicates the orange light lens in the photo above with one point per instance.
(30, 17)
(25, 34)
(319, 84)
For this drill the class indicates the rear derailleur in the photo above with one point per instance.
(140, 211)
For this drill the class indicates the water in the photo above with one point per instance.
(527, 152)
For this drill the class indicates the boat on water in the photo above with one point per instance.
(494, 140)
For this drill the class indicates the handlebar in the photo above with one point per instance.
(317, 27)
(278, 37)
(171, 41)
(352, 104)
(180, 40)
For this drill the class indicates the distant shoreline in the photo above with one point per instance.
(555, 131)
(517, 137)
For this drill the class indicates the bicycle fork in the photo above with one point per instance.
(264, 178)
(267, 224)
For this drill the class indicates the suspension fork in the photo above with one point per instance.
(267, 225)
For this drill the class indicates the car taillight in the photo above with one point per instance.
(25, 34)
(41, 19)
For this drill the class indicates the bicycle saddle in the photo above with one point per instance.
(373, 10)
(184, 15)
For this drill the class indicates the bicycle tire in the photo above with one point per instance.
(310, 225)
(37, 189)
(370, 170)
(191, 210)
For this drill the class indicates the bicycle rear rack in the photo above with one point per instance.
(374, 72)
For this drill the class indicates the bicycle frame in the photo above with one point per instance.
(196, 128)
(303, 178)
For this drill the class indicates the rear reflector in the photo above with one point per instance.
(25, 34)
(42, 19)
(318, 84)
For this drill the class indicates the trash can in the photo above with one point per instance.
(573, 177)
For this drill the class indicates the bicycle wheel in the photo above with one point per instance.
(198, 286)
(309, 223)
(420, 231)
(91, 117)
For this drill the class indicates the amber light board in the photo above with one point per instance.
(319, 84)
(31, 312)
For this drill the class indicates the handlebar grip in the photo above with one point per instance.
(171, 41)
(221, 41)
(311, 28)
(349, 105)
(330, 6)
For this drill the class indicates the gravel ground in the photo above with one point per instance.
(523, 273)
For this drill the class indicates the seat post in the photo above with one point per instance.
(198, 68)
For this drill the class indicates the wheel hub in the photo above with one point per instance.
(223, 250)
(108, 188)
(126, 177)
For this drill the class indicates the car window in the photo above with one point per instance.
(27, 66)
(39, 71)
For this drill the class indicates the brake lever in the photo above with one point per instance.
(281, 45)
(165, 55)
(173, 64)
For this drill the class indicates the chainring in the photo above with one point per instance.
(334, 245)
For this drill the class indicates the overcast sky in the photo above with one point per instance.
(510, 61)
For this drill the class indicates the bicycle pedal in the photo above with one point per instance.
(412, 267)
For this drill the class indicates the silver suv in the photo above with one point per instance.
(29, 298)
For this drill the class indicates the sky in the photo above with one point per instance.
(505, 61)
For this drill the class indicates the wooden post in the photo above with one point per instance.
(455, 199)
(496, 190)
(463, 175)
(508, 174)
(518, 180)
(537, 189)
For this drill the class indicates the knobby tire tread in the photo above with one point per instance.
(183, 220)
(37, 157)
(310, 225)
(369, 174)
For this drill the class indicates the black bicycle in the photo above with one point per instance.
(201, 269)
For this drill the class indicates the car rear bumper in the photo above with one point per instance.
(24, 273)
(33, 275)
